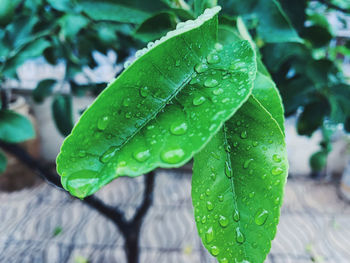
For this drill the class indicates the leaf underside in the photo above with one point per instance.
(164, 108)
(237, 186)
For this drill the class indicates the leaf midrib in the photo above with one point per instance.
(232, 184)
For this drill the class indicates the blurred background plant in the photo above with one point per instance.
(301, 49)
(301, 44)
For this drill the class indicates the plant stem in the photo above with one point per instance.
(129, 229)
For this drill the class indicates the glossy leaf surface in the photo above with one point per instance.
(237, 186)
(161, 110)
(14, 127)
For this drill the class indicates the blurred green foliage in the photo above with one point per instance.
(292, 36)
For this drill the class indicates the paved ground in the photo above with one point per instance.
(314, 227)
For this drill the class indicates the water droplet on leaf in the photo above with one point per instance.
(261, 217)
(173, 156)
(178, 128)
(102, 123)
(198, 100)
(223, 221)
(211, 82)
(209, 235)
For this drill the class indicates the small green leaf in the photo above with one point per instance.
(43, 89)
(237, 186)
(14, 127)
(57, 231)
(118, 11)
(63, 113)
(71, 24)
(161, 110)
(266, 92)
(3, 162)
(155, 26)
(318, 161)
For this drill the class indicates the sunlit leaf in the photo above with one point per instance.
(237, 186)
(161, 110)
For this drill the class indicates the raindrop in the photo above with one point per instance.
(223, 221)
(223, 260)
(102, 123)
(251, 195)
(236, 215)
(82, 153)
(207, 192)
(198, 100)
(108, 154)
(219, 47)
(221, 198)
(209, 235)
(276, 158)
(261, 216)
(239, 236)
(142, 155)
(210, 206)
(201, 67)
(247, 163)
(128, 115)
(218, 91)
(144, 91)
(255, 143)
(276, 170)
(173, 156)
(178, 128)
(201, 197)
(81, 183)
(244, 134)
(213, 58)
(177, 63)
(211, 82)
(214, 250)
(228, 169)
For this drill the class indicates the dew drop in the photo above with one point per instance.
(142, 155)
(223, 260)
(207, 192)
(276, 158)
(236, 215)
(255, 143)
(214, 250)
(211, 82)
(261, 216)
(276, 170)
(173, 156)
(201, 67)
(107, 155)
(210, 206)
(81, 183)
(209, 235)
(218, 91)
(223, 221)
(82, 153)
(204, 219)
(102, 123)
(247, 163)
(228, 169)
(177, 63)
(244, 134)
(251, 194)
(213, 58)
(201, 197)
(178, 128)
(221, 198)
(218, 47)
(144, 91)
(239, 236)
(198, 100)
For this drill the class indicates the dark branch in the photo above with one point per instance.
(52, 178)
(333, 6)
(147, 198)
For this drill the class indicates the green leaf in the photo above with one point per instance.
(155, 26)
(127, 11)
(273, 24)
(161, 110)
(237, 186)
(312, 117)
(3, 162)
(71, 24)
(266, 92)
(32, 50)
(62, 5)
(62, 111)
(14, 127)
(43, 89)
